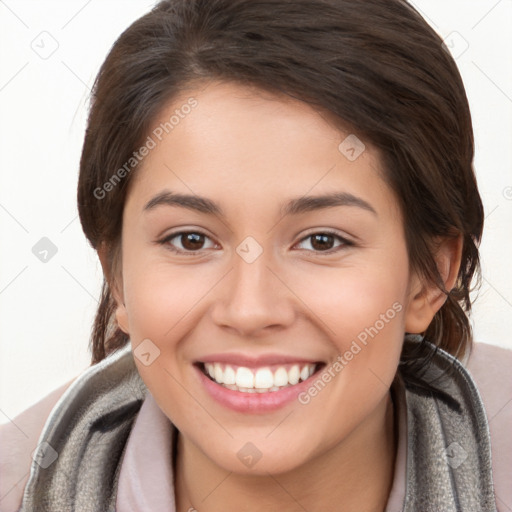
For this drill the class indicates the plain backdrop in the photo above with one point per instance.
(50, 53)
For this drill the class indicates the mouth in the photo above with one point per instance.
(264, 379)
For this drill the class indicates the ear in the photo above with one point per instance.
(116, 287)
(426, 299)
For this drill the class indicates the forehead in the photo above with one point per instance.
(236, 142)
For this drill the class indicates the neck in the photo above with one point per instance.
(354, 476)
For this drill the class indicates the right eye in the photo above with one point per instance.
(191, 242)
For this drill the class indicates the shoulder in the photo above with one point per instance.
(491, 369)
(18, 439)
(489, 363)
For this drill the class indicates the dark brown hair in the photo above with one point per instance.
(376, 65)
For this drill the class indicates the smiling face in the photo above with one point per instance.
(254, 248)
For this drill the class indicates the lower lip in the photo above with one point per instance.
(256, 403)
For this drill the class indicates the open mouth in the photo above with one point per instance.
(266, 379)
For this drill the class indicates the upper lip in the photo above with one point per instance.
(250, 361)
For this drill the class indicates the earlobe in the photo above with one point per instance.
(426, 299)
(422, 307)
(115, 286)
(122, 318)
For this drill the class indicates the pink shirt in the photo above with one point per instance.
(146, 477)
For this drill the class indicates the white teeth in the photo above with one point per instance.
(280, 377)
(294, 375)
(244, 378)
(218, 373)
(261, 380)
(229, 375)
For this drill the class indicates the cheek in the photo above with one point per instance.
(161, 299)
(162, 306)
(361, 310)
(362, 313)
(347, 301)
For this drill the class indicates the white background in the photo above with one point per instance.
(47, 309)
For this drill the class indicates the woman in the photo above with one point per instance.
(283, 202)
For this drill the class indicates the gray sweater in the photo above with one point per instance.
(448, 441)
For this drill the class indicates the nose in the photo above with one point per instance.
(253, 298)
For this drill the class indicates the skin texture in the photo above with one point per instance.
(251, 151)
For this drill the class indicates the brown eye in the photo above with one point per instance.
(322, 242)
(326, 242)
(192, 241)
(186, 241)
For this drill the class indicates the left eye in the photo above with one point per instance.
(323, 242)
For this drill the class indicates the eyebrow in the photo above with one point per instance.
(295, 206)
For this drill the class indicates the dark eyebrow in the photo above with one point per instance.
(192, 202)
(294, 207)
(310, 203)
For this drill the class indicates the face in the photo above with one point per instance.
(257, 249)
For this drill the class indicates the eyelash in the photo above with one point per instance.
(345, 243)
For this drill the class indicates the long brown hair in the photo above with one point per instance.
(375, 64)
